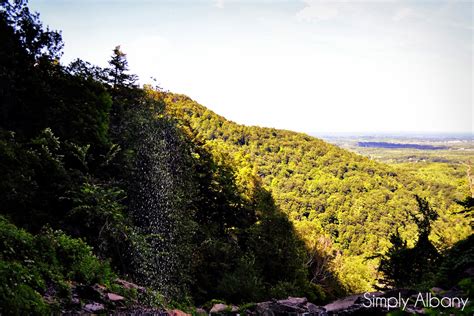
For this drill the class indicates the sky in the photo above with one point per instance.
(313, 66)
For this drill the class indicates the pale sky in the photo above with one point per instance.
(310, 66)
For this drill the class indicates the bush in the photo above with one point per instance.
(455, 262)
(18, 289)
(244, 284)
(31, 264)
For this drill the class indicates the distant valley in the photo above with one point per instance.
(448, 148)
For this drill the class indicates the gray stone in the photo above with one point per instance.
(94, 307)
(200, 311)
(114, 297)
(218, 308)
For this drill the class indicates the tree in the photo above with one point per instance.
(118, 75)
(37, 41)
(404, 266)
(468, 208)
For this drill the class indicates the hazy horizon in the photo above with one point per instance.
(309, 66)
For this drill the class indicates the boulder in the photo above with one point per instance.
(218, 308)
(200, 311)
(294, 301)
(315, 309)
(94, 307)
(115, 297)
(342, 304)
(264, 307)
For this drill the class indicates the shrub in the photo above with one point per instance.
(30, 264)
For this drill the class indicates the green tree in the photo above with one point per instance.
(403, 266)
(119, 68)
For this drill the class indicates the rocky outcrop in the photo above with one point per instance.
(97, 299)
(373, 303)
(218, 308)
(291, 305)
(222, 309)
(94, 307)
(129, 285)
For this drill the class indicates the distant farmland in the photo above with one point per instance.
(398, 145)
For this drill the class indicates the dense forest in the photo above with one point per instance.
(104, 183)
(342, 204)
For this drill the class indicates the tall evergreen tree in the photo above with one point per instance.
(118, 75)
(404, 266)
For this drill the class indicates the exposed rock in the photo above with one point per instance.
(342, 304)
(94, 307)
(294, 301)
(354, 305)
(177, 312)
(75, 301)
(200, 311)
(415, 310)
(114, 297)
(218, 308)
(263, 307)
(291, 305)
(315, 309)
(130, 285)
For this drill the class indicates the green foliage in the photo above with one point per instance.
(244, 284)
(76, 256)
(16, 291)
(455, 262)
(468, 209)
(244, 245)
(34, 179)
(159, 195)
(357, 202)
(31, 264)
(98, 213)
(467, 285)
(118, 75)
(278, 252)
(245, 307)
(404, 267)
(355, 273)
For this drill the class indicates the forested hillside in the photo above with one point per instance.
(116, 197)
(342, 204)
(98, 182)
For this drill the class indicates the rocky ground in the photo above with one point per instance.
(97, 299)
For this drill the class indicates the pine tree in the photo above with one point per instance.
(118, 75)
(404, 266)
